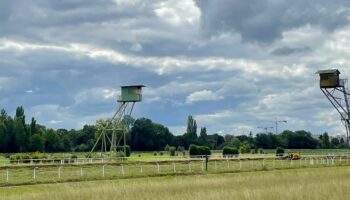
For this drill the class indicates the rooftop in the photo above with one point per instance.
(328, 71)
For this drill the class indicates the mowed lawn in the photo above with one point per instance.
(319, 183)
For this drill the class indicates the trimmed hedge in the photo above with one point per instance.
(195, 150)
(230, 151)
(279, 151)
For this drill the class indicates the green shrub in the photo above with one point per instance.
(21, 157)
(261, 151)
(38, 156)
(172, 151)
(279, 151)
(127, 150)
(119, 154)
(230, 152)
(244, 147)
(195, 150)
(161, 153)
(155, 153)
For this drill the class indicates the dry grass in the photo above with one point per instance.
(320, 183)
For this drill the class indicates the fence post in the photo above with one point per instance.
(34, 172)
(282, 165)
(81, 171)
(7, 175)
(123, 170)
(103, 170)
(228, 164)
(141, 169)
(240, 164)
(59, 172)
(263, 163)
(206, 162)
(189, 167)
(174, 165)
(203, 166)
(158, 168)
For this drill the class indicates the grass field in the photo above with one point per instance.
(24, 175)
(320, 183)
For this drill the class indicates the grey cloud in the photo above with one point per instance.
(266, 20)
(285, 51)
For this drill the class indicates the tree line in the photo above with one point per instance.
(144, 135)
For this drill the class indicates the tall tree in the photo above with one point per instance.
(325, 143)
(21, 136)
(191, 127)
(203, 137)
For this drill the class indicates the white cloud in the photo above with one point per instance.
(55, 121)
(177, 12)
(203, 95)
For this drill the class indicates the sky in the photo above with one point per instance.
(234, 65)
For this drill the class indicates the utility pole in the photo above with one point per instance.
(277, 121)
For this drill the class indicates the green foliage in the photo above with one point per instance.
(325, 143)
(261, 151)
(126, 149)
(230, 151)
(195, 150)
(244, 147)
(20, 157)
(172, 151)
(279, 151)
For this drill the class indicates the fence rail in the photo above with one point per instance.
(33, 174)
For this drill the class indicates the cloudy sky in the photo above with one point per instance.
(234, 65)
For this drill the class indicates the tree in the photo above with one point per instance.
(149, 136)
(325, 144)
(335, 143)
(21, 137)
(191, 128)
(37, 143)
(262, 141)
(203, 137)
(244, 147)
(3, 137)
(232, 141)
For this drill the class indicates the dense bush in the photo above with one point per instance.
(244, 147)
(195, 150)
(127, 150)
(230, 151)
(261, 151)
(279, 151)
(21, 157)
(38, 156)
(172, 151)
